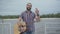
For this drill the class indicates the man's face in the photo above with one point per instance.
(28, 7)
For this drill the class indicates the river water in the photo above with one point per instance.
(45, 26)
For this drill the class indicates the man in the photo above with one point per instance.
(28, 16)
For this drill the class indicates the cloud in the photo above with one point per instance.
(13, 7)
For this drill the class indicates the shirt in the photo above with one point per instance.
(29, 19)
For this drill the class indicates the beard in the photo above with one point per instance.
(28, 9)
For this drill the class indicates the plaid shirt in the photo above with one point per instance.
(29, 19)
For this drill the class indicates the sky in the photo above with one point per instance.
(16, 7)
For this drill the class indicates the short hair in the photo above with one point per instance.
(29, 3)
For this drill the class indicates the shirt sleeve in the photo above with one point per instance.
(21, 15)
(34, 15)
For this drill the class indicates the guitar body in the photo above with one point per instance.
(19, 27)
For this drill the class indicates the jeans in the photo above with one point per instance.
(28, 32)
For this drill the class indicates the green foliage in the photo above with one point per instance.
(9, 17)
(57, 15)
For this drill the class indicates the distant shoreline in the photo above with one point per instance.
(40, 18)
(57, 15)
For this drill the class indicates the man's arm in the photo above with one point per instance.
(37, 17)
(20, 17)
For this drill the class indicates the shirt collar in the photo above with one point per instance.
(27, 11)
